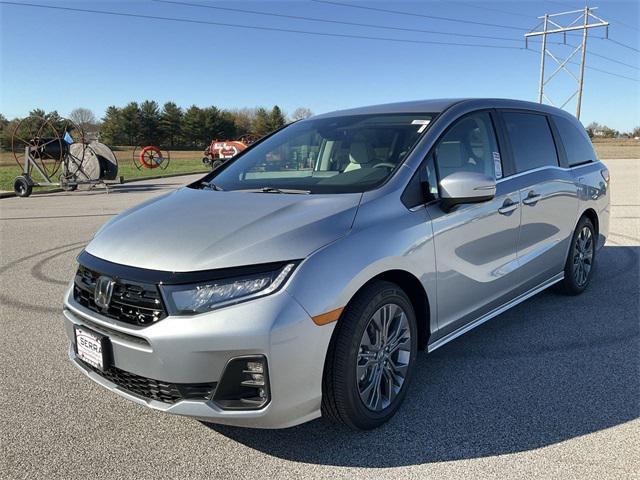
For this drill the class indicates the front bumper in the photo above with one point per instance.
(196, 349)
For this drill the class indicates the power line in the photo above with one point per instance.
(491, 9)
(611, 18)
(623, 45)
(636, 67)
(625, 24)
(257, 27)
(338, 22)
(562, 4)
(608, 73)
(411, 14)
(613, 60)
(598, 70)
(368, 25)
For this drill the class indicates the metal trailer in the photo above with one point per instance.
(42, 149)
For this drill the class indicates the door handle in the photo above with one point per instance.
(507, 207)
(532, 198)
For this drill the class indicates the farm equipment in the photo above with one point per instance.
(151, 157)
(220, 151)
(47, 147)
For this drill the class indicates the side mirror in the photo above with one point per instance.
(465, 187)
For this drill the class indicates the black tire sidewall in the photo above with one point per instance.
(22, 187)
(358, 414)
(570, 282)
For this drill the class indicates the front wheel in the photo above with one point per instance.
(371, 358)
(580, 262)
(22, 186)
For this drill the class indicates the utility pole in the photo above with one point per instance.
(556, 23)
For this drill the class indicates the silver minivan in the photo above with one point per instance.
(301, 278)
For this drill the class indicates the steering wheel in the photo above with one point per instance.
(385, 164)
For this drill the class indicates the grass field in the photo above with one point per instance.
(609, 148)
(190, 161)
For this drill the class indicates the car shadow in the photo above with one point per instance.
(550, 369)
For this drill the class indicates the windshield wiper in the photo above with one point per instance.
(277, 190)
(211, 186)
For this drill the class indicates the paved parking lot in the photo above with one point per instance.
(549, 389)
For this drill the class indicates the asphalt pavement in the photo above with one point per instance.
(549, 389)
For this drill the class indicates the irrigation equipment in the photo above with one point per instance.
(54, 152)
(151, 157)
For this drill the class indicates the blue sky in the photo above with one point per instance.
(61, 60)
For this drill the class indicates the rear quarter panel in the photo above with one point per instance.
(594, 193)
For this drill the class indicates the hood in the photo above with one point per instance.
(190, 229)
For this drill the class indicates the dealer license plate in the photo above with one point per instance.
(91, 347)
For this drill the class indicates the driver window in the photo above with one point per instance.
(470, 146)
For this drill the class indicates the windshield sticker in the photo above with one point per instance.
(423, 124)
(497, 164)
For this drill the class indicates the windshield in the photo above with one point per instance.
(329, 155)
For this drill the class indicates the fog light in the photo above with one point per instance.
(256, 379)
(244, 384)
(255, 367)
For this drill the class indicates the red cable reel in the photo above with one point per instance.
(151, 157)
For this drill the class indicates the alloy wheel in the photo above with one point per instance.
(383, 357)
(583, 256)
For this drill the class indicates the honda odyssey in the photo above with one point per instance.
(301, 277)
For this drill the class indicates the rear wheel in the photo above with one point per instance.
(580, 263)
(371, 358)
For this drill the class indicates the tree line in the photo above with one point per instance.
(173, 127)
(595, 130)
(169, 126)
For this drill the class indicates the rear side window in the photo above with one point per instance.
(576, 141)
(531, 140)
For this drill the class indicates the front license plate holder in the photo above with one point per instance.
(92, 348)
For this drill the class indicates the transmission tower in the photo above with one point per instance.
(556, 23)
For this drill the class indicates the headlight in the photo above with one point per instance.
(206, 296)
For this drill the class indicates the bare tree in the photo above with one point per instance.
(83, 117)
(301, 113)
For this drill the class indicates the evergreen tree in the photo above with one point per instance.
(111, 129)
(130, 123)
(149, 123)
(218, 124)
(261, 122)
(193, 127)
(276, 119)
(171, 124)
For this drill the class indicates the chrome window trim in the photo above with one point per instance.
(546, 167)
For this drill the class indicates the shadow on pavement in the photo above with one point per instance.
(549, 370)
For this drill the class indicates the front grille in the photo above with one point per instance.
(155, 389)
(131, 302)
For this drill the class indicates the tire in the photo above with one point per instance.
(580, 263)
(345, 397)
(22, 187)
